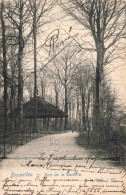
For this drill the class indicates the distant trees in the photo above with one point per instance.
(106, 23)
(64, 70)
(83, 80)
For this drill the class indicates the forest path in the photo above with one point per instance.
(59, 157)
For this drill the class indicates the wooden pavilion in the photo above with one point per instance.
(46, 114)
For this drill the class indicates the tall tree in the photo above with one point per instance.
(17, 14)
(106, 22)
(20, 58)
(38, 10)
(4, 71)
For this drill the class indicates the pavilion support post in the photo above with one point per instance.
(56, 124)
(38, 130)
(25, 129)
(41, 127)
(66, 123)
(48, 124)
(52, 124)
(33, 128)
(30, 128)
(54, 127)
(15, 125)
(11, 140)
(61, 123)
(44, 124)
(40, 124)
(22, 133)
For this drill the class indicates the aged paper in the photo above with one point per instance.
(56, 164)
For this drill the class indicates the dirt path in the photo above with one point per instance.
(56, 165)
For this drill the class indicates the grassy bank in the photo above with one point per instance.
(112, 148)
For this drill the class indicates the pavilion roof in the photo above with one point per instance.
(44, 109)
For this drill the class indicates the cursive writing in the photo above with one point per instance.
(65, 175)
(52, 40)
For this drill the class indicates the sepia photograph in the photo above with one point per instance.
(62, 97)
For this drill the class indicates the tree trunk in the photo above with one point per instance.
(57, 99)
(12, 94)
(77, 113)
(66, 107)
(83, 112)
(35, 65)
(12, 105)
(99, 74)
(42, 88)
(20, 68)
(4, 75)
(57, 105)
(35, 51)
(88, 118)
(70, 113)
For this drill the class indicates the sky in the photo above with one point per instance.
(68, 27)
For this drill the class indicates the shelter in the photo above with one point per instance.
(42, 110)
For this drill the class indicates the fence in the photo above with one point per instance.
(12, 139)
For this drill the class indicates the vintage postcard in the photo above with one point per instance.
(62, 97)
